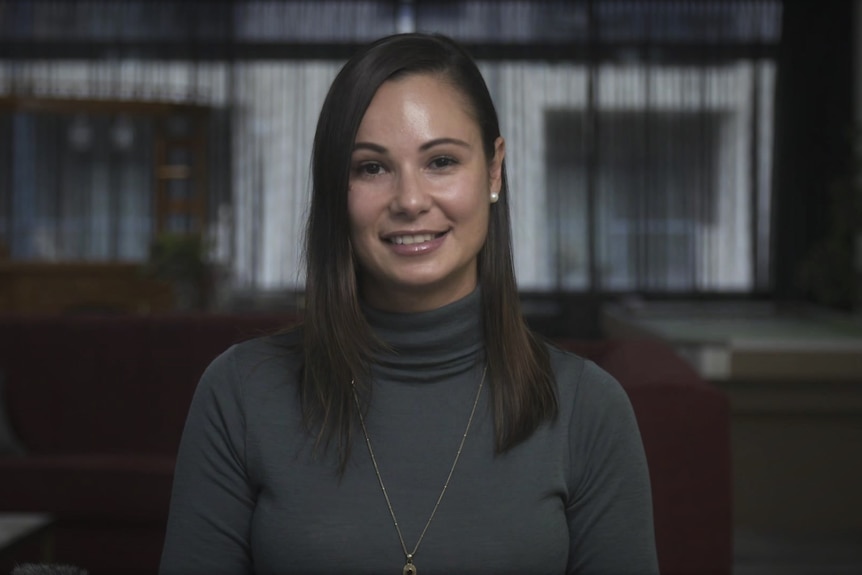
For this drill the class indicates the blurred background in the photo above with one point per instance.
(644, 155)
(680, 170)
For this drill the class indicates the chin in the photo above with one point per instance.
(439, 287)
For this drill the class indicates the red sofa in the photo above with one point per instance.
(99, 404)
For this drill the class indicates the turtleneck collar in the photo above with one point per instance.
(431, 345)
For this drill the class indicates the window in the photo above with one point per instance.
(662, 188)
(639, 133)
(95, 180)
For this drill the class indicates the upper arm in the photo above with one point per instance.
(213, 499)
(610, 507)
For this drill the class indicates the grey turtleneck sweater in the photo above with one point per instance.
(251, 496)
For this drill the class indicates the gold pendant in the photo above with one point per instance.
(409, 568)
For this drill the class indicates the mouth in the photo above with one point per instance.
(410, 239)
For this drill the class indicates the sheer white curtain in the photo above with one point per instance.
(127, 79)
(626, 172)
(680, 219)
(523, 92)
(276, 105)
(670, 150)
(274, 111)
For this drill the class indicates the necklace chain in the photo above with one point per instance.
(409, 567)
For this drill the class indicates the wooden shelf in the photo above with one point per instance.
(47, 287)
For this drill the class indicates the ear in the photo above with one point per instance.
(495, 169)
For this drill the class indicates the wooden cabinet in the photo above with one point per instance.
(180, 171)
(42, 287)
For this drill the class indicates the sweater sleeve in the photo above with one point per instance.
(212, 499)
(610, 507)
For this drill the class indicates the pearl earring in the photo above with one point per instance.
(494, 197)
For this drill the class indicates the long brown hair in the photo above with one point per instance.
(338, 344)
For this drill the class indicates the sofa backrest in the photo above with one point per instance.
(111, 384)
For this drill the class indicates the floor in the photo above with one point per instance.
(761, 554)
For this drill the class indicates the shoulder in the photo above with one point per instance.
(596, 410)
(581, 380)
(256, 362)
(593, 403)
(283, 346)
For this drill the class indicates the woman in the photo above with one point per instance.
(413, 422)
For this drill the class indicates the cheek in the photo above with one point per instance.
(471, 201)
(357, 213)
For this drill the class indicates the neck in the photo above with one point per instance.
(414, 300)
(427, 345)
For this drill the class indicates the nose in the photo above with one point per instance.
(410, 197)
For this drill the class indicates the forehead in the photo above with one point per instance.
(414, 99)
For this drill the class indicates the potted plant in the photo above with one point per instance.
(182, 260)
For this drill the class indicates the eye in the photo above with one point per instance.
(443, 162)
(369, 168)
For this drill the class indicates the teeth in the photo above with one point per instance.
(407, 240)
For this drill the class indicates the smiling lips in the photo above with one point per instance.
(413, 239)
(415, 243)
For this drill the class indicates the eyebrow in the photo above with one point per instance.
(369, 146)
(441, 141)
(426, 146)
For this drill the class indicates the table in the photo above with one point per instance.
(748, 341)
(18, 529)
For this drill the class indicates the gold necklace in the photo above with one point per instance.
(410, 567)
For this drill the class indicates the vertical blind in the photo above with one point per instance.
(639, 134)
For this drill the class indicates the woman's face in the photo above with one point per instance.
(420, 195)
